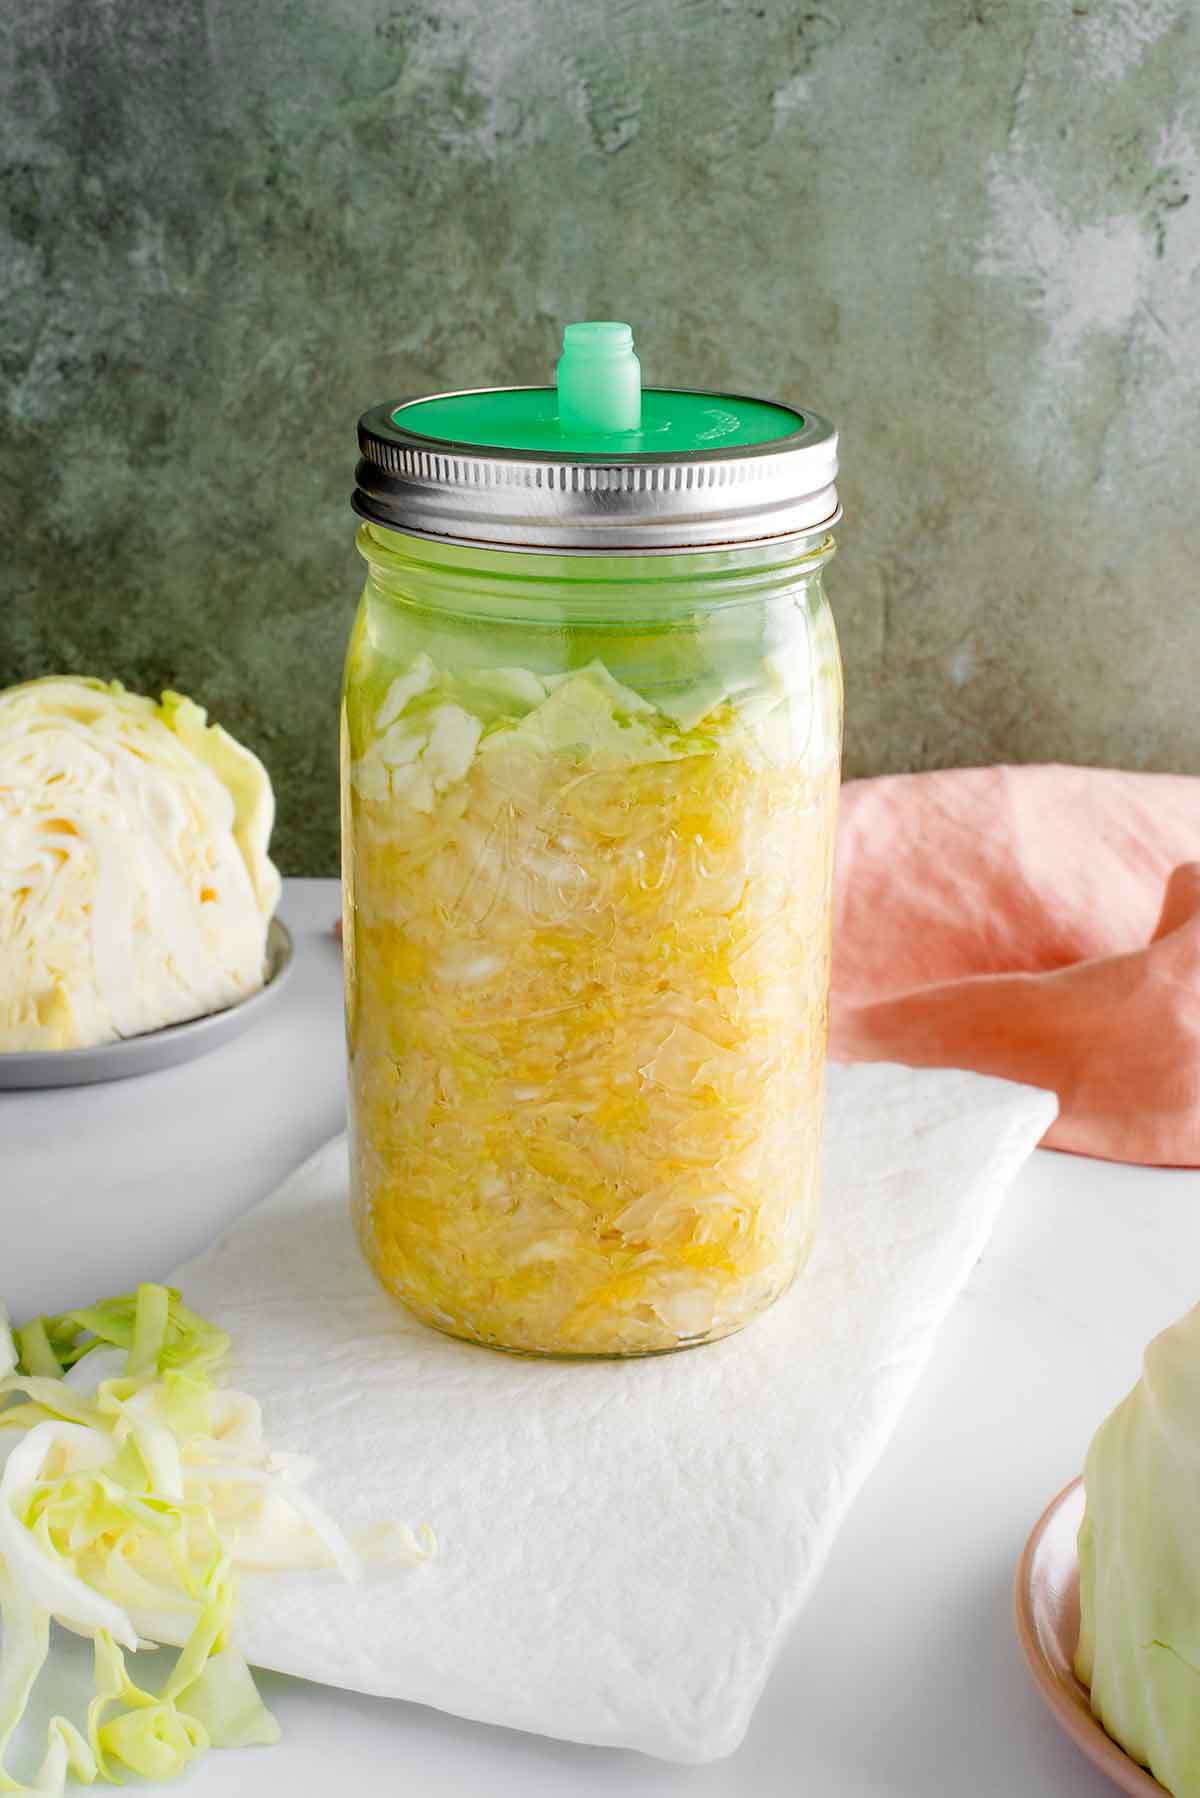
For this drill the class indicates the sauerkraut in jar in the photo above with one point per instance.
(588, 828)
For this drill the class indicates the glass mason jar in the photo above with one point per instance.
(589, 792)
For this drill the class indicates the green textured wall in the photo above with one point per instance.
(968, 232)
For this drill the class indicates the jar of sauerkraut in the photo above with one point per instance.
(590, 750)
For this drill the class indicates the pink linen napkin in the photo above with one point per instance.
(1038, 923)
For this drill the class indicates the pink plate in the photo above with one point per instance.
(1047, 1598)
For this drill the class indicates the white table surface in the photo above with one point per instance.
(903, 1675)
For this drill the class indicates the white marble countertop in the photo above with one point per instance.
(903, 1676)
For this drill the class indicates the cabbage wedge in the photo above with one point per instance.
(1139, 1565)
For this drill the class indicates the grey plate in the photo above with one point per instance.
(158, 1048)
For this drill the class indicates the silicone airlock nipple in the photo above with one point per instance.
(599, 379)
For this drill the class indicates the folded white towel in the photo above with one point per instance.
(622, 1546)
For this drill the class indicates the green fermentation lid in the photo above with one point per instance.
(597, 462)
(598, 408)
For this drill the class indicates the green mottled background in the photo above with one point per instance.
(968, 232)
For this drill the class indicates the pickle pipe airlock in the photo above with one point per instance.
(599, 379)
(596, 462)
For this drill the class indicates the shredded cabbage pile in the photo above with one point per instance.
(587, 963)
(134, 1488)
(1139, 1565)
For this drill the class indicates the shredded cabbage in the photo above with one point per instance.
(135, 886)
(587, 967)
(133, 1490)
(1139, 1565)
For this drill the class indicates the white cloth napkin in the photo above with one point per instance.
(622, 1546)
